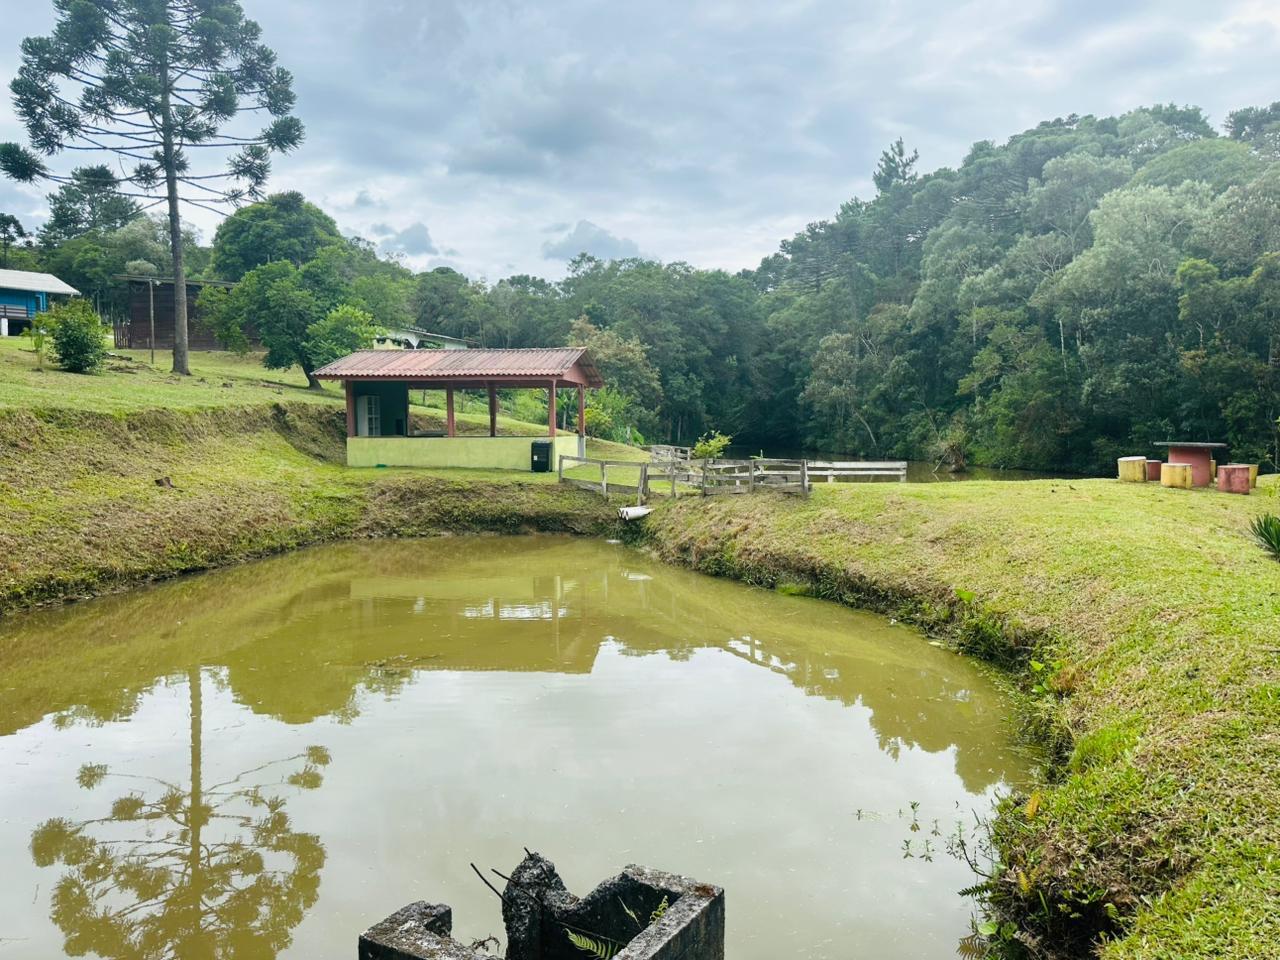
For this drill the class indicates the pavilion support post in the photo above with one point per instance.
(551, 410)
(582, 411)
(493, 410)
(350, 389)
(450, 428)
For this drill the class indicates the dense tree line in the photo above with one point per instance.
(1071, 295)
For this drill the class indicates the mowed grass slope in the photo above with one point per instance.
(1157, 619)
(256, 465)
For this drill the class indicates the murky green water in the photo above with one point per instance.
(262, 761)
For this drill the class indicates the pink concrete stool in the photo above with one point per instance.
(1153, 469)
(1233, 478)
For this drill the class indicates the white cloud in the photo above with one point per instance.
(586, 237)
(710, 131)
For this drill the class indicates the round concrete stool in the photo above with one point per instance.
(1176, 475)
(1233, 478)
(1132, 469)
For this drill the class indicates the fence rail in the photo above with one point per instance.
(672, 476)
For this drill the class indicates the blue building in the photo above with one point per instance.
(23, 294)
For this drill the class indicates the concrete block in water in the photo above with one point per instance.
(419, 931)
(641, 913)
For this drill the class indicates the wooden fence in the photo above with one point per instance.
(673, 477)
(832, 470)
(663, 452)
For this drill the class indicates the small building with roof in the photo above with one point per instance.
(380, 432)
(23, 294)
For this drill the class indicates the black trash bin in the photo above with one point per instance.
(540, 456)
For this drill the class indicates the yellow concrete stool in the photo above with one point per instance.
(1133, 469)
(1176, 475)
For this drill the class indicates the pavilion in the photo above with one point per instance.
(380, 431)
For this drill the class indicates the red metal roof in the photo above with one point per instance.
(571, 364)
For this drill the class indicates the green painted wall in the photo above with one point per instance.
(394, 406)
(489, 453)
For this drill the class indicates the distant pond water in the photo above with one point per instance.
(264, 760)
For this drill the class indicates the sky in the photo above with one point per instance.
(503, 136)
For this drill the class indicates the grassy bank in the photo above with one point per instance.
(1145, 625)
(255, 466)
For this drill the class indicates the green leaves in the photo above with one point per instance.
(603, 949)
(21, 164)
(1266, 530)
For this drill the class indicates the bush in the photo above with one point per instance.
(78, 336)
(1266, 530)
(711, 445)
(343, 330)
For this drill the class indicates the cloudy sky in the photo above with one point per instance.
(503, 136)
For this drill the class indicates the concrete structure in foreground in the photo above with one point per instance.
(380, 429)
(641, 914)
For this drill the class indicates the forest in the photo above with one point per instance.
(1071, 295)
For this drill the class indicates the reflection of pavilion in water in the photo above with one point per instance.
(306, 633)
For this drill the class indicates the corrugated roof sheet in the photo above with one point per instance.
(36, 282)
(444, 365)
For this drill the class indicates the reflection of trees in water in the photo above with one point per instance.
(186, 871)
(311, 634)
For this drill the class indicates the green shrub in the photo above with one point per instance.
(1266, 530)
(711, 445)
(343, 330)
(78, 336)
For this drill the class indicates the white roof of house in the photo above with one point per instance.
(39, 282)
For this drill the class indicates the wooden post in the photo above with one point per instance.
(560, 469)
(751, 476)
(551, 410)
(674, 494)
(604, 479)
(450, 427)
(351, 407)
(642, 491)
(493, 410)
(151, 312)
(804, 476)
(582, 412)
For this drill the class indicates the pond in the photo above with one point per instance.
(266, 759)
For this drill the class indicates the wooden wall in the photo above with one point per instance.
(136, 334)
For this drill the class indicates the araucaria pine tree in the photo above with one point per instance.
(156, 83)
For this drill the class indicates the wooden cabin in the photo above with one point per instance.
(23, 294)
(148, 294)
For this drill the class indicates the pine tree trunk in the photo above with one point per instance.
(180, 364)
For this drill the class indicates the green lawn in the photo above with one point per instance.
(1158, 621)
(129, 383)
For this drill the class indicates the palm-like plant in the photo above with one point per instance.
(1266, 530)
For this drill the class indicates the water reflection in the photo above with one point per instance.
(499, 692)
(307, 633)
(190, 869)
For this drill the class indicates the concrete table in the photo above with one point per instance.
(1199, 455)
